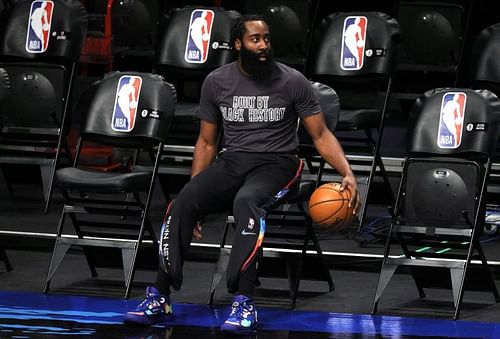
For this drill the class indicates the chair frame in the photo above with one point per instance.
(454, 244)
(55, 137)
(83, 201)
(363, 151)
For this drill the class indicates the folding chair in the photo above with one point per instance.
(440, 210)
(4, 92)
(484, 72)
(134, 33)
(182, 63)
(291, 23)
(40, 48)
(355, 53)
(288, 224)
(111, 209)
(427, 63)
(484, 67)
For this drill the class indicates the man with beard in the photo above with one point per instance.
(256, 102)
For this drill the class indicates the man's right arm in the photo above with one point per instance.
(205, 149)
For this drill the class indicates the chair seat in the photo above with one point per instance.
(353, 119)
(103, 181)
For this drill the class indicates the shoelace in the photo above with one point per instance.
(245, 309)
(235, 308)
(148, 301)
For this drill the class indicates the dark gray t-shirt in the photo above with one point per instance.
(257, 116)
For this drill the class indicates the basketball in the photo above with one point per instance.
(329, 207)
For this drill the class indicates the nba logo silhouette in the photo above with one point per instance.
(39, 24)
(353, 43)
(198, 39)
(451, 120)
(126, 103)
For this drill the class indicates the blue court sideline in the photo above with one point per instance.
(24, 315)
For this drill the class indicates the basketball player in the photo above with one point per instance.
(257, 102)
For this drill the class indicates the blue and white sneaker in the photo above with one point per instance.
(155, 309)
(243, 317)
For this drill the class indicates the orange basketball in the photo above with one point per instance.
(329, 207)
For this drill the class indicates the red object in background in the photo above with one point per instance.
(97, 48)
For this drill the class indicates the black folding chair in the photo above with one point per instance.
(355, 53)
(427, 62)
(484, 72)
(135, 25)
(40, 48)
(290, 23)
(288, 224)
(185, 62)
(440, 209)
(111, 209)
(484, 66)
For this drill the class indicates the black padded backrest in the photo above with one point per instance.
(485, 56)
(130, 108)
(289, 22)
(376, 49)
(4, 84)
(177, 48)
(329, 103)
(29, 33)
(450, 121)
(432, 32)
(36, 97)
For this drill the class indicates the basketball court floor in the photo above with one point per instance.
(78, 305)
(31, 315)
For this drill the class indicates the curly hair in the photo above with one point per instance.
(239, 28)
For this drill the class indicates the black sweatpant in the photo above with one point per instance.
(247, 182)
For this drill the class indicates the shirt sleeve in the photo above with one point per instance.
(305, 100)
(208, 110)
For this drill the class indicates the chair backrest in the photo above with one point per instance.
(451, 141)
(355, 44)
(134, 23)
(330, 106)
(45, 29)
(290, 23)
(196, 38)
(484, 67)
(130, 109)
(432, 32)
(454, 121)
(39, 49)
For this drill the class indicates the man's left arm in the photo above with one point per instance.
(330, 149)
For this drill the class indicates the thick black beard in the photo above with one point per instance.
(256, 68)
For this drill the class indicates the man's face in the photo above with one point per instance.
(255, 49)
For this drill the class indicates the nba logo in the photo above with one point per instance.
(39, 23)
(198, 39)
(451, 120)
(126, 103)
(353, 43)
